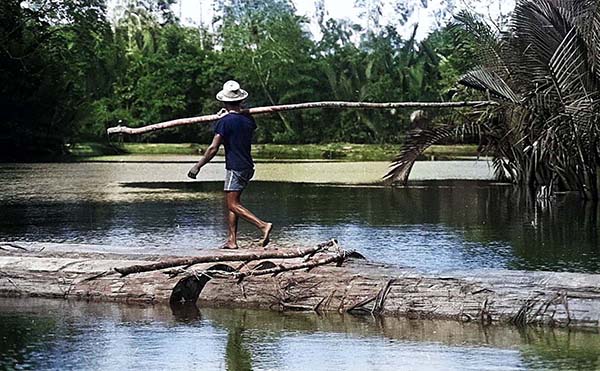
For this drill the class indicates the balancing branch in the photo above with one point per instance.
(270, 254)
(299, 106)
(337, 258)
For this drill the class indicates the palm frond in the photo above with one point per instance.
(570, 70)
(487, 81)
(536, 30)
(545, 70)
(417, 141)
(467, 26)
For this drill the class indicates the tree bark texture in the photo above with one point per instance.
(356, 287)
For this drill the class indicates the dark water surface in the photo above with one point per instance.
(59, 335)
(431, 225)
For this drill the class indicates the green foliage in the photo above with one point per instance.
(544, 71)
(50, 72)
(68, 73)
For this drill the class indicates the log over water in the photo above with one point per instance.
(357, 286)
(294, 107)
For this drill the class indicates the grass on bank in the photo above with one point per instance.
(332, 151)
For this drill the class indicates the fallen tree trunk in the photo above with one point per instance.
(483, 296)
(189, 288)
(293, 107)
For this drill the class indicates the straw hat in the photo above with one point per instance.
(232, 92)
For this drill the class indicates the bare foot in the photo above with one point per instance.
(266, 234)
(229, 246)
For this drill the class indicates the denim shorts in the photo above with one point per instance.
(237, 180)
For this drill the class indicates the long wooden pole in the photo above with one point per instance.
(299, 106)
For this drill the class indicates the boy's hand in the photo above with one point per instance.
(193, 172)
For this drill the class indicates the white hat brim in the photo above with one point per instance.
(223, 98)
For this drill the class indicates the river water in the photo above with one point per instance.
(51, 334)
(148, 205)
(432, 225)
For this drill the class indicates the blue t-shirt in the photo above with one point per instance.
(236, 130)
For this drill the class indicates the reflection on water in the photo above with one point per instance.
(431, 225)
(46, 334)
(100, 182)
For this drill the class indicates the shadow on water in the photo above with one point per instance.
(179, 186)
(52, 334)
(186, 312)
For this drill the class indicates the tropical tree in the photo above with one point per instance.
(166, 70)
(266, 46)
(51, 69)
(544, 72)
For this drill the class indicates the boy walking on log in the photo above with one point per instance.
(234, 130)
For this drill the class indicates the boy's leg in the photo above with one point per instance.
(232, 223)
(234, 205)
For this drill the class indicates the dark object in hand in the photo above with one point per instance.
(192, 174)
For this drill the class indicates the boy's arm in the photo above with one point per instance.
(211, 151)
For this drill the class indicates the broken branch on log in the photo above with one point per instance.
(359, 306)
(240, 276)
(300, 106)
(13, 245)
(341, 256)
(380, 300)
(285, 254)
